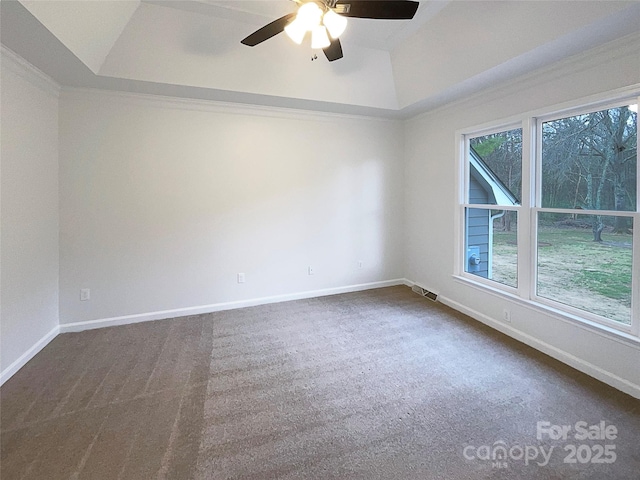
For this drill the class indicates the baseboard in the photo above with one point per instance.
(216, 307)
(8, 372)
(554, 352)
(557, 353)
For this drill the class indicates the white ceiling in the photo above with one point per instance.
(191, 48)
(382, 35)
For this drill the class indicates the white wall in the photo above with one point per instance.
(28, 212)
(164, 201)
(430, 177)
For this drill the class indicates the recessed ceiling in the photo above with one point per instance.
(191, 48)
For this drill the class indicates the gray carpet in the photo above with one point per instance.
(381, 384)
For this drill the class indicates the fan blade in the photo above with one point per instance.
(268, 31)
(380, 9)
(333, 51)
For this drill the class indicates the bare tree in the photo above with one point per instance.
(589, 162)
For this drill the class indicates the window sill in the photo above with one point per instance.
(585, 324)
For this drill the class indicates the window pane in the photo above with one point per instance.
(589, 161)
(495, 168)
(492, 252)
(584, 264)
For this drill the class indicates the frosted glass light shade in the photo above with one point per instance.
(319, 37)
(296, 31)
(309, 15)
(307, 18)
(335, 23)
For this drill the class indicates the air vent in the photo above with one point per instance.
(425, 293)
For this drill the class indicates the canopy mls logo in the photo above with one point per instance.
(500, 453)
(600, 448)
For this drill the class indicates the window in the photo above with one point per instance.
(588, 163)
(568, 190)
(494, 178)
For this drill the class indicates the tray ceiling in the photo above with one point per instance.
(192, 49)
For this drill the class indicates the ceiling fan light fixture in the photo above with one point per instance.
(319, 37)
(325, 18)
(296, 31)
(335, 23)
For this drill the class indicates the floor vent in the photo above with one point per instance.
(424, 292)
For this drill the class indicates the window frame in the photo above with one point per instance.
(531, 206)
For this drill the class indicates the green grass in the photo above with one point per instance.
(575, 270)
(609, 284)
(604, 268)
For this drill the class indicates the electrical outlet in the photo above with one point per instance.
(311, 271)
(85, 294)
(241, 278)
(506, 315)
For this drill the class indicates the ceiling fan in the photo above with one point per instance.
(326, 20)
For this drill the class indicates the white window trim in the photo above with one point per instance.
(527, 215)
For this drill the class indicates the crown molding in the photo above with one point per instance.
(216, 106)
(18, 65)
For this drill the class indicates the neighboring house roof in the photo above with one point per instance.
(498, 192)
